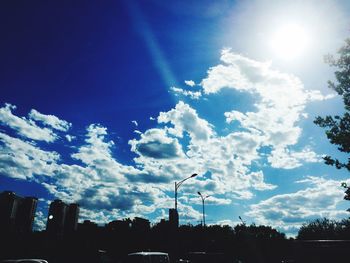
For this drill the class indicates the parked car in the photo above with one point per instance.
(27, 260)
(148, 257)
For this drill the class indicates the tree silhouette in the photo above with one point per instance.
(338, 127)
(318, 229)
(325, 229)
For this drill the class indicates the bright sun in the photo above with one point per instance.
(289, 41)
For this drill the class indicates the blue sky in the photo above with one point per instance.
(109, 103)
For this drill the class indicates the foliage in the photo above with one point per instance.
(338, 127)
(325, 229)
(259, 232)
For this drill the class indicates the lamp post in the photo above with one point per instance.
(177, 185)
(203, 199)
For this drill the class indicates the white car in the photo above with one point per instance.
(148, 257)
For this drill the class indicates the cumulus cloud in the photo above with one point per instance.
(281, 99)
(98, 181)
(23, 160)
(182, 143)
(189, 214)
(186, 119)
(156, 144)
(289, 211)
(286, 159)
(226, 158)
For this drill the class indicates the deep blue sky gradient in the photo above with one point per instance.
(112, 62)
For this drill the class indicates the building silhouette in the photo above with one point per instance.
(140, 224)
(119, 225)
(17, 213)
(62, 218)
(25, 214)
(173, 217)
(87, 226)
(72, 215)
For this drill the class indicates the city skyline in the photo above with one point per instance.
(109, 104)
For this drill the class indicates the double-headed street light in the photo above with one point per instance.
(203, 199)
(177, 185)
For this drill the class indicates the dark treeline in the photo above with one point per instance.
(243, 243)
(247, 243)
(325, 229)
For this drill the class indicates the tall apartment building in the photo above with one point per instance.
(71, 223)
(17, 213)
(62, 218)
(25, 214)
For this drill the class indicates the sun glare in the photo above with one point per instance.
(289, 41)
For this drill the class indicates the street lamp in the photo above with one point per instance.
(177, 185)
(203, 199)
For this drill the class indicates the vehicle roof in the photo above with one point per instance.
(147, 253)
(23, 260)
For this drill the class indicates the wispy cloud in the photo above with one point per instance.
(25, 127)
(188, 93)
(49, 120)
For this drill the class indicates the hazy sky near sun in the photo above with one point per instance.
(109, 103)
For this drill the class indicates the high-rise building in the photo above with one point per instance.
(173, 217)
(9, 202)
(56, 217)
(71, 221)
(25, 214)
(17, 213)
(62, 218)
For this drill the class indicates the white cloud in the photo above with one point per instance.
(185, 119)
(183, 143)
(189, 214)
(155, 143)
(39, 221)
(23, 160)
(24, 127)
(135, 123)
(226, 158)
(70, 137)
(227, 222)
(190, 83)
(50, 120)
(289, 211)
(315, 95)
(281, 99)
(286, 159)
(192, 94)
(211, 200)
